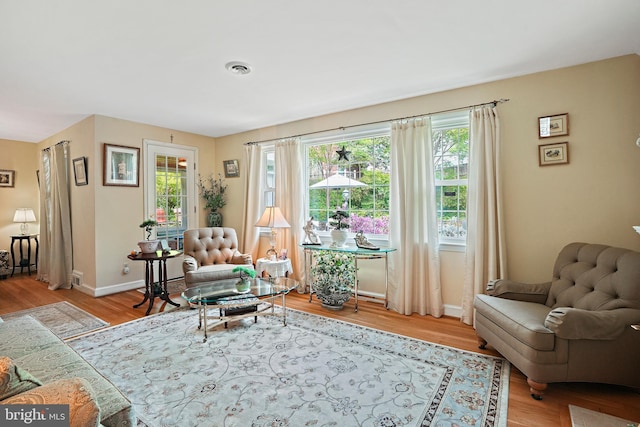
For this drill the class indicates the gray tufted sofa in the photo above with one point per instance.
(211, 254)
(575, 328)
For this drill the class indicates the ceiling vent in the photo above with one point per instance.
(240, 68)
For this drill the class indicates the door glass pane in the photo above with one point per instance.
(171, 198)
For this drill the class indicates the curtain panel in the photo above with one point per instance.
(290, 198)
(414, 269)
(254, 193)
(485, 257)
(55, 263)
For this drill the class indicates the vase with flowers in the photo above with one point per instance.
(213, 192)
(339, 220)
(246, 274)
(149, 245)
(333, 276)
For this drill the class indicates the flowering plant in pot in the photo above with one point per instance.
(214, 197)
(246, 273)
(333, 277)
(339, 220)
(148, 246)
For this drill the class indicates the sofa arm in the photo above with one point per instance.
(189, 263)
(241, 259)
(528, 292)
(574, 323)
(75, 392)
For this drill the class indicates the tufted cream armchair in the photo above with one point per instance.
(575, 328)
(211, 254)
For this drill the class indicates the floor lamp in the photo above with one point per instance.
(272, 218)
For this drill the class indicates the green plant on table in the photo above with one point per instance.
(245, 272)
(148, 225)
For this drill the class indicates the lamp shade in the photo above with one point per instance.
(24, 215)
(273, 218)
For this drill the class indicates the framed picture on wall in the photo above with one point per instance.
(121, 165)
(557, 125)
(80, 171)
(7, 178)
(553, 154)
(231, 169)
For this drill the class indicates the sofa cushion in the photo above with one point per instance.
(520, 319)
(210, 273)
(14, 380)
(75, 392)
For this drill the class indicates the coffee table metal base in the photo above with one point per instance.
(239, 310)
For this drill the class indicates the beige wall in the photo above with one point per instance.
(592, 199)
(22, 158)
(105, 220)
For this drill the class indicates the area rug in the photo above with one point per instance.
(313, 372)
(62, 318)
(174, 286)
(582, 417)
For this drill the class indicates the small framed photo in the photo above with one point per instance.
(283, 254)
(557, 125)
(553, 154)
(231, 169)
(7, 178)
(80, 171)
(121, 165)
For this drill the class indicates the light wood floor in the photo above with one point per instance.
(22, 291)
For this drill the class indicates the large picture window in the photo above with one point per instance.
(351, 172)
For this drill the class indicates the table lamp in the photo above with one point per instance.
(24, 215)
(272, 218)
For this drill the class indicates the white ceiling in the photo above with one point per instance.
(162, 62)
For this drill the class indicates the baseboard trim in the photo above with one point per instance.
(112, 289)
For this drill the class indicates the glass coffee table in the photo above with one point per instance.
(234, 305)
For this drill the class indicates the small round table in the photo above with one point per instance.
(153, 289)
(277, 268)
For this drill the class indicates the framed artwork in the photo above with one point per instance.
(80, 170)
(553, 154)
(121, 166)
(231, 169)
(7, 178)
(557, 125)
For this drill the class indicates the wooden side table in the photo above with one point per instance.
(153, 289)
(24, 262)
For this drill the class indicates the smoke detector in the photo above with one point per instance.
(240, 68)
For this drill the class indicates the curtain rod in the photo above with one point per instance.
(64, 141)
(494, 102)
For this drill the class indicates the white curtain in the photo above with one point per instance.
(414, 270)
(485, 251)
(253, 197)
(55, 264)
(290, 198)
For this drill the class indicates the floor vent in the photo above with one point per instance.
(76, 278)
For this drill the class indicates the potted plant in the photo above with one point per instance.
(333, 277)
(214, 197)
(339, 220)
(244, 284)
(148, 246)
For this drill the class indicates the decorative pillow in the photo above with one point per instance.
(14, 380)
(76, 392)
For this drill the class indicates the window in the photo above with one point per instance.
(351, 173)
(270, 177)
(170, 197)
(451, 163)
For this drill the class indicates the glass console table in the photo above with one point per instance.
(358, 253)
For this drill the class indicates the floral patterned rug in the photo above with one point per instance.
(313, 372)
